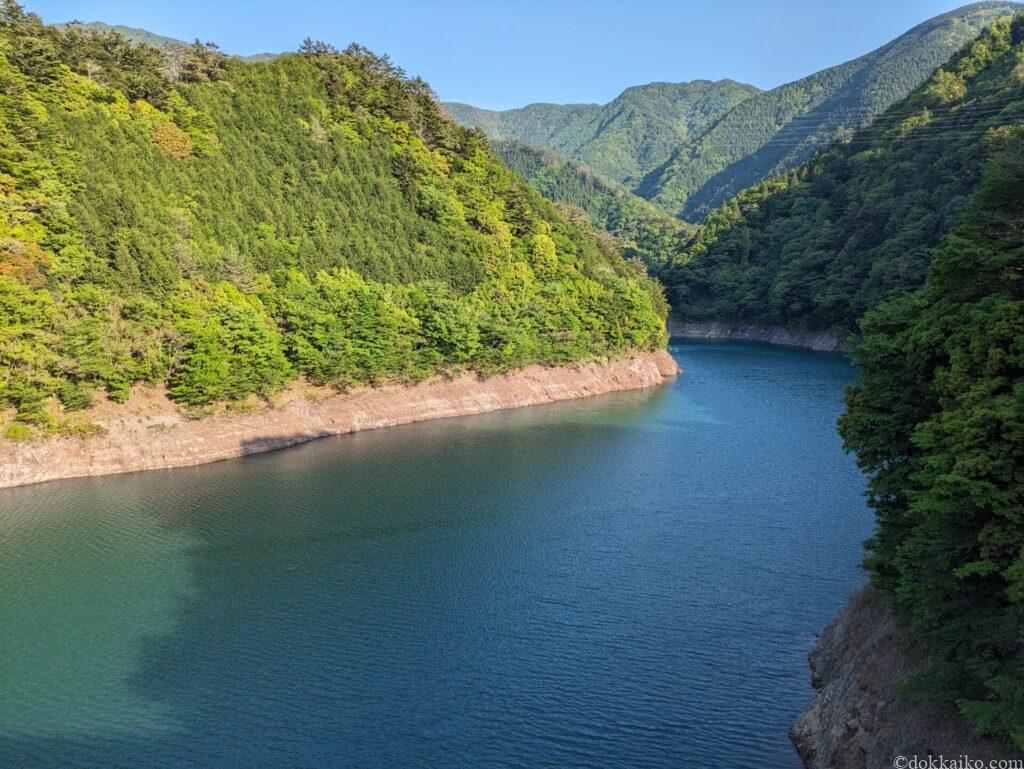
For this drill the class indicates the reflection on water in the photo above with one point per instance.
(630, 580)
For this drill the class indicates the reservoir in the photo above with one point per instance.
(631, 580)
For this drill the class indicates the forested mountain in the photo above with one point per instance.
(166, 45)
(937, 420)
(642, 231)
(317, 215)
(781, 128)
(816, 248)
(624, 139)
(742, 135)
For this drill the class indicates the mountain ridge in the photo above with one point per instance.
(641, 229)
(152, 39)
(764, 133)
(623, 139)
(814, 248)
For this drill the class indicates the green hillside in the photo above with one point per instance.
(624, 139)
(781, 128)
(317, 215)
(816, 248)
(641, 230)
(937, 420)
(689, 147)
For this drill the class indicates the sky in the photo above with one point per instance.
(499, 55)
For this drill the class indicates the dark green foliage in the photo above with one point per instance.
(108, 58)
(201, 62)
(937, 420)
(815, 249)
(220, 227)
(73, 396)
(779, 129)
(623, 140)
(689, 147)
(642, 230)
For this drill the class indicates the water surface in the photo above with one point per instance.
(632, 580)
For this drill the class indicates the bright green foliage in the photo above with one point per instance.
(623, 140)
(231, 347)
(220, 227)
(937, 420)
(642, 230)
(815, 249)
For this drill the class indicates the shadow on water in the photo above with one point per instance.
(621, 580)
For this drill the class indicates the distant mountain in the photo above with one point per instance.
(688, 147)
(781, 128)
(815, 249)
(641, 230)
(160, 42)
(623, 140)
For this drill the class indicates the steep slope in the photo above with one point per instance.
(937, 422)
(643, 231)
(553, 126)
(318, 215)
(624, 139)
(814, 249)
(779, 129)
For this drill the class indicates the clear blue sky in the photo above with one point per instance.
(506, 54)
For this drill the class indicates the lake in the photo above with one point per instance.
(632, 580)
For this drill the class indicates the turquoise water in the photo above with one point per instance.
(632, 580)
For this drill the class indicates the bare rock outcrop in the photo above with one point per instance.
(822, 341)
(856, 719)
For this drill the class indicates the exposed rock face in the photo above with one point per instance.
(856, 720)
(148, 432)
(822, 341)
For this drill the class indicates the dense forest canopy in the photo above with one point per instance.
(780, 129)
(219, 228)
(623, 140)
(937, 420)
(688, 147)
(222, 227)
(816, 248)
(643, 231)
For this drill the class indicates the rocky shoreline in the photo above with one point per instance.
(149, 432)
(856, 719)
(822, 341)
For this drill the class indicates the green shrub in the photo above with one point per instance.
(17, 431)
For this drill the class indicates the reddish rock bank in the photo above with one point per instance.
(148, 432)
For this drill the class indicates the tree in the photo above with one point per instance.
(202, 62)
(937, 421)
(317, 48)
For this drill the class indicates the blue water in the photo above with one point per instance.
(632, 580)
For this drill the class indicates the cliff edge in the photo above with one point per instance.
(856, 720)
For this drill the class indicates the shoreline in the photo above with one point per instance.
(857, 717)
(148, 432)
(820, 341)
